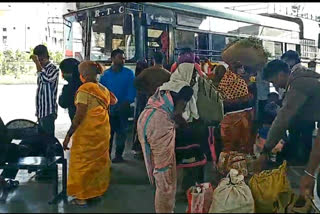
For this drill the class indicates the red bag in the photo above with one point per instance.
(200, 198)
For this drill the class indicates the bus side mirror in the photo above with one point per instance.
(127, 24)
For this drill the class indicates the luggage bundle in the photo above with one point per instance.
(267, 192)
(235, 160)
(232, 195)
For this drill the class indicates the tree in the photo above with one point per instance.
(58, 57)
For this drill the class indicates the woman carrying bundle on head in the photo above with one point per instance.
(89, 166)
(243, 57)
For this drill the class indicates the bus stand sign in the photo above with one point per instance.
(108, 11)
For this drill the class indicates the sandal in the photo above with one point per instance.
(79, 202)
(12, 184)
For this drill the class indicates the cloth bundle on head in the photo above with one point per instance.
(248, 52)
(179, 79)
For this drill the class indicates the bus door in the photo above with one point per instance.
(158, 41)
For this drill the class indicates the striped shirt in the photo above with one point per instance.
(46, 98)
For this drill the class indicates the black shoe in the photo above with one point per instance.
(117, 160)
(12, 184)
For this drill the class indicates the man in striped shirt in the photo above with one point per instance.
(46, 98)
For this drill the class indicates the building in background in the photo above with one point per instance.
(25, 25)
(306, 15)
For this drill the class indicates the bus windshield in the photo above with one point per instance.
(107, 34)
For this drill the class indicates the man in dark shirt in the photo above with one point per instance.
(146, 84)
(152, 78)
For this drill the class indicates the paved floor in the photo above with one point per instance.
(129, 190)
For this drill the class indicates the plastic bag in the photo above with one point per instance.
(199, 198)
(267, 186)
(232, 195)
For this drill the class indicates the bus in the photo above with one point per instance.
(139, 29)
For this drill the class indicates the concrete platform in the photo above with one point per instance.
(129, 190)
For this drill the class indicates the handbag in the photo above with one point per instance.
(199, 198)
(209, 102)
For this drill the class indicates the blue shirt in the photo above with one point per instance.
(120, 84)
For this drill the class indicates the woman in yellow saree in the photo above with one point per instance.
(89, 165)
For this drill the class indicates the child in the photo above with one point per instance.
(269, 114)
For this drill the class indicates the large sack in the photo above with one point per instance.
(247, 51)
(199, 198)
(209, 102)
(267, 186)
(232, 195)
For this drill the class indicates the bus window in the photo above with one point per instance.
(270, 47)
(201, 44)
(107, 35)
(185, 39)
(291, 47)
(278, 49)
(218, 43)
(272, 32)
(74, 38)
(223, 25)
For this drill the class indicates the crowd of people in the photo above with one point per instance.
(255, 121)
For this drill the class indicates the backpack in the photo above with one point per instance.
(209, 103)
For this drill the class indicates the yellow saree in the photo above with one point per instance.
(89, 166)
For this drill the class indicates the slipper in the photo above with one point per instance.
(79, 203)
(12, 184)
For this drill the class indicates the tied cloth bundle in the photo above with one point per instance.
(248, 51)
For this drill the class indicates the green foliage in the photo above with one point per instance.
(14, 63)
(56, 57)
(18, 62)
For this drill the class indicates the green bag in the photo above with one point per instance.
(209, 103)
